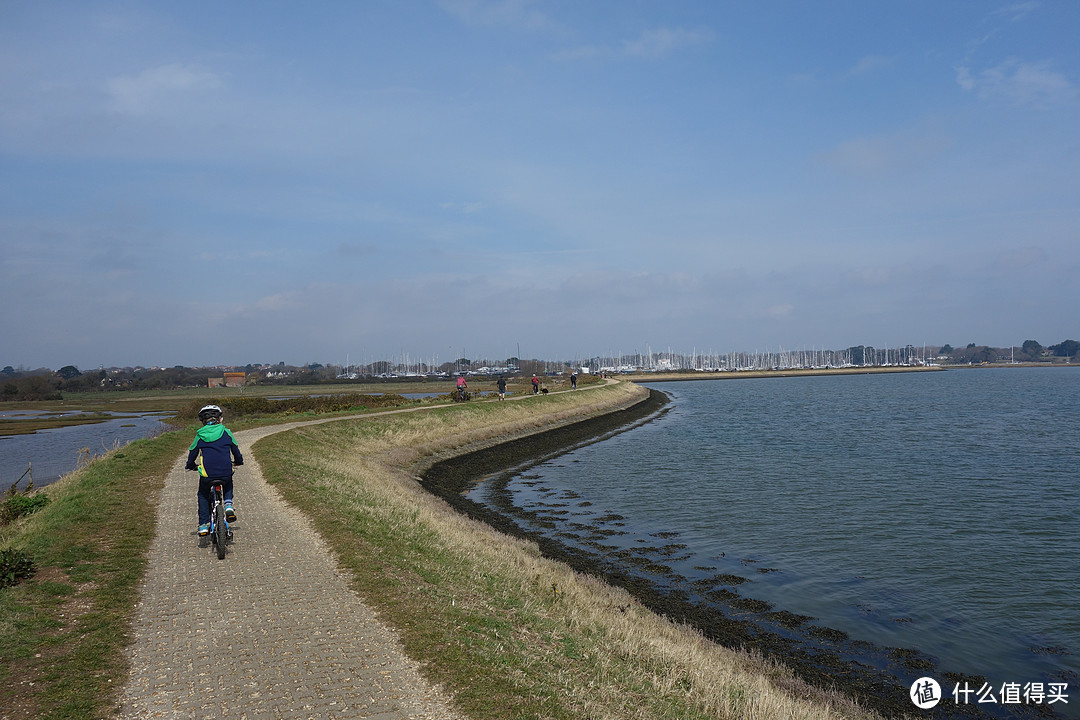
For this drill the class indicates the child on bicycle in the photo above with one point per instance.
(219, 453)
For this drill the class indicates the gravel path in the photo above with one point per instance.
(271, 631)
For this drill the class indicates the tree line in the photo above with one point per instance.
(46, 384)
(1029, 352)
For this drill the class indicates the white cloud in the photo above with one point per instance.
(882, 154)
(513, 13)
(870, 64)
(662, 41)
(964, 79)
(650, 44)
(1018, 83)
(278, 302)
(782, 310)
(638, 287)
(1017, 11)
(159, 89)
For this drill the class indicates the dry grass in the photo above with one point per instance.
(510, 633)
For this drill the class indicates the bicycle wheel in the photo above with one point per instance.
(219, 530)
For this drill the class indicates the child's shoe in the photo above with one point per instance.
(230, 514)
(204, 529)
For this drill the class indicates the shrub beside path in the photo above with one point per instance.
(272, 631)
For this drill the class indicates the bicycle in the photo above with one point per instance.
(220, 534)
(462, 395)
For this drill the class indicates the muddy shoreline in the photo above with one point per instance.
(826, 658)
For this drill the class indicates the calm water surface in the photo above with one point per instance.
(55, 452)
(935, 511)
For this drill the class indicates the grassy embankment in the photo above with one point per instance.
(510, 633)
(62, 633)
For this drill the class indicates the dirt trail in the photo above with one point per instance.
(272, 631)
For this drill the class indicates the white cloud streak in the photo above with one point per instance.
(497, 13)
(160, 90)
(884, 154)
(870, 64)
(650, 44)
(658, 42)
(1019, 84)
(1017, 11)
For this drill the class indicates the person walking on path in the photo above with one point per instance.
(535, 384)
(213, 454)
(573, 380)
(501, 384)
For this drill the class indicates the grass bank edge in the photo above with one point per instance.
(502, 628)
(63, 631)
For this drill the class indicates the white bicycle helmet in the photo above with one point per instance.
(210, 414)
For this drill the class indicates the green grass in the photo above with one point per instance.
(507, 641)
(63, 631)
(510, 634)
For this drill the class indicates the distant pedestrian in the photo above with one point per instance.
(502, 387)
(573, 380)
(536, 384)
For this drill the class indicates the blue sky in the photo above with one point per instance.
(208, 183)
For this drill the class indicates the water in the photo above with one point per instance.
(934, 511)
(55, 452)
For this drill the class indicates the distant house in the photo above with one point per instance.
(233, 379)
